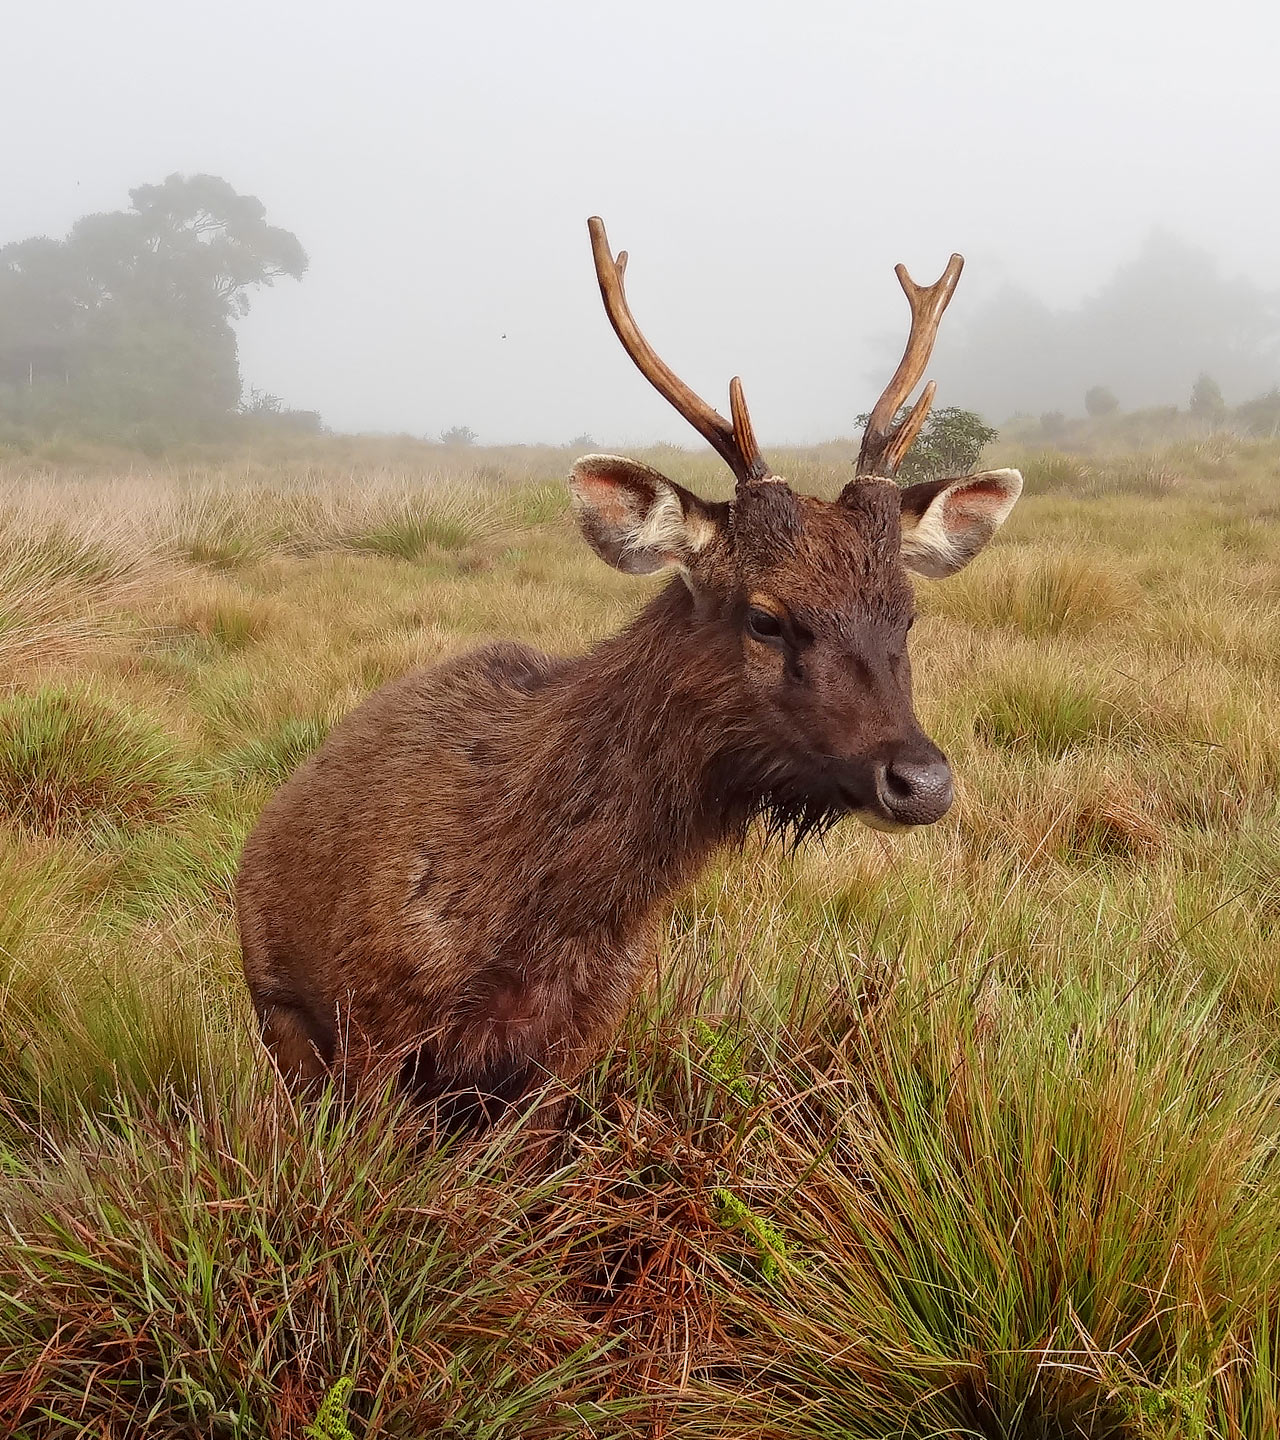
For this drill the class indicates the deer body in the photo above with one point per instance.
(466, 880)
(468, 869)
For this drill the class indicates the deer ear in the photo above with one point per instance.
(638, 520)
(946, 522)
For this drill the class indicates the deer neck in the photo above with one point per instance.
(631, 744)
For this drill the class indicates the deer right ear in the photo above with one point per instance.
(635, 518)
(946, 522)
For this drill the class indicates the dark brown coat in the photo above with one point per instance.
(467, 879)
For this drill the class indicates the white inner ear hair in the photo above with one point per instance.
(666, 529)
(929, 536)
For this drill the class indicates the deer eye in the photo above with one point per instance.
(763, 626)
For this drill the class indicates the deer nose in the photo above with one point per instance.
(915, 790)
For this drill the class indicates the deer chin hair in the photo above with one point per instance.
(792, 815)
(793, 820)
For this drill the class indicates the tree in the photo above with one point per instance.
(1206, 400)
(128, 321)
(1100, 402)
(949, 444)
(458, 435)
(216, 242)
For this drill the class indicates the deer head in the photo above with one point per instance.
(805, 604)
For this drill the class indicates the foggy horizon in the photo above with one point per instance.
(764, 170)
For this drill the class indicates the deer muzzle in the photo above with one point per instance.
(912, 787)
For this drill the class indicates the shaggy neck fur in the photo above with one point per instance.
(624, 777)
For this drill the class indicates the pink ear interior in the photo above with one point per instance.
(612, 502)
(973, 504)
(976, 504)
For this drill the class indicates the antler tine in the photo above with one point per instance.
(884, 444)
(735, 441)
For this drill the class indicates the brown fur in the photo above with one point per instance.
(468, 877)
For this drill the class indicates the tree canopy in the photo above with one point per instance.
(127, 322)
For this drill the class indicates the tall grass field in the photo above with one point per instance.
(971, 1132)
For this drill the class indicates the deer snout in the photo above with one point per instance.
(914, 787)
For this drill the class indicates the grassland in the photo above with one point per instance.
(970, 1133)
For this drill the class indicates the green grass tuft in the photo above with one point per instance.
(1048, 709)
(415, 533)
(1051, 470)
(68, 758)
(1039, 596)
(273, 758)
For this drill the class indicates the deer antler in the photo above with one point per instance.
(883, 443)
(734, 441)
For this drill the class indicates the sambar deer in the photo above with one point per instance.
(467, 879)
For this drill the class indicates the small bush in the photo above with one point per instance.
(69, 758)
(949, 444)
(1099, 401)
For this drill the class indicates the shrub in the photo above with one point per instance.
(1206, 400)
(1260, 417)
(949, 444)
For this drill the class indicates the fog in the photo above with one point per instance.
(765, 165)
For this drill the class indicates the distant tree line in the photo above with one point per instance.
(1107, 420)
(123, 330)
(1163, 319)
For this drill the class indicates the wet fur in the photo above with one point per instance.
(464, 884)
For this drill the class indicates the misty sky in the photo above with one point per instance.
(765, 165)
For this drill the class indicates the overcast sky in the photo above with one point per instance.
(765, 165)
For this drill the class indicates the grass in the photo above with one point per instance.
(68, 759)
(1048, 707)
(971, 1133)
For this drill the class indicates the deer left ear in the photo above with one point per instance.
(636, 519)
(946, 522)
